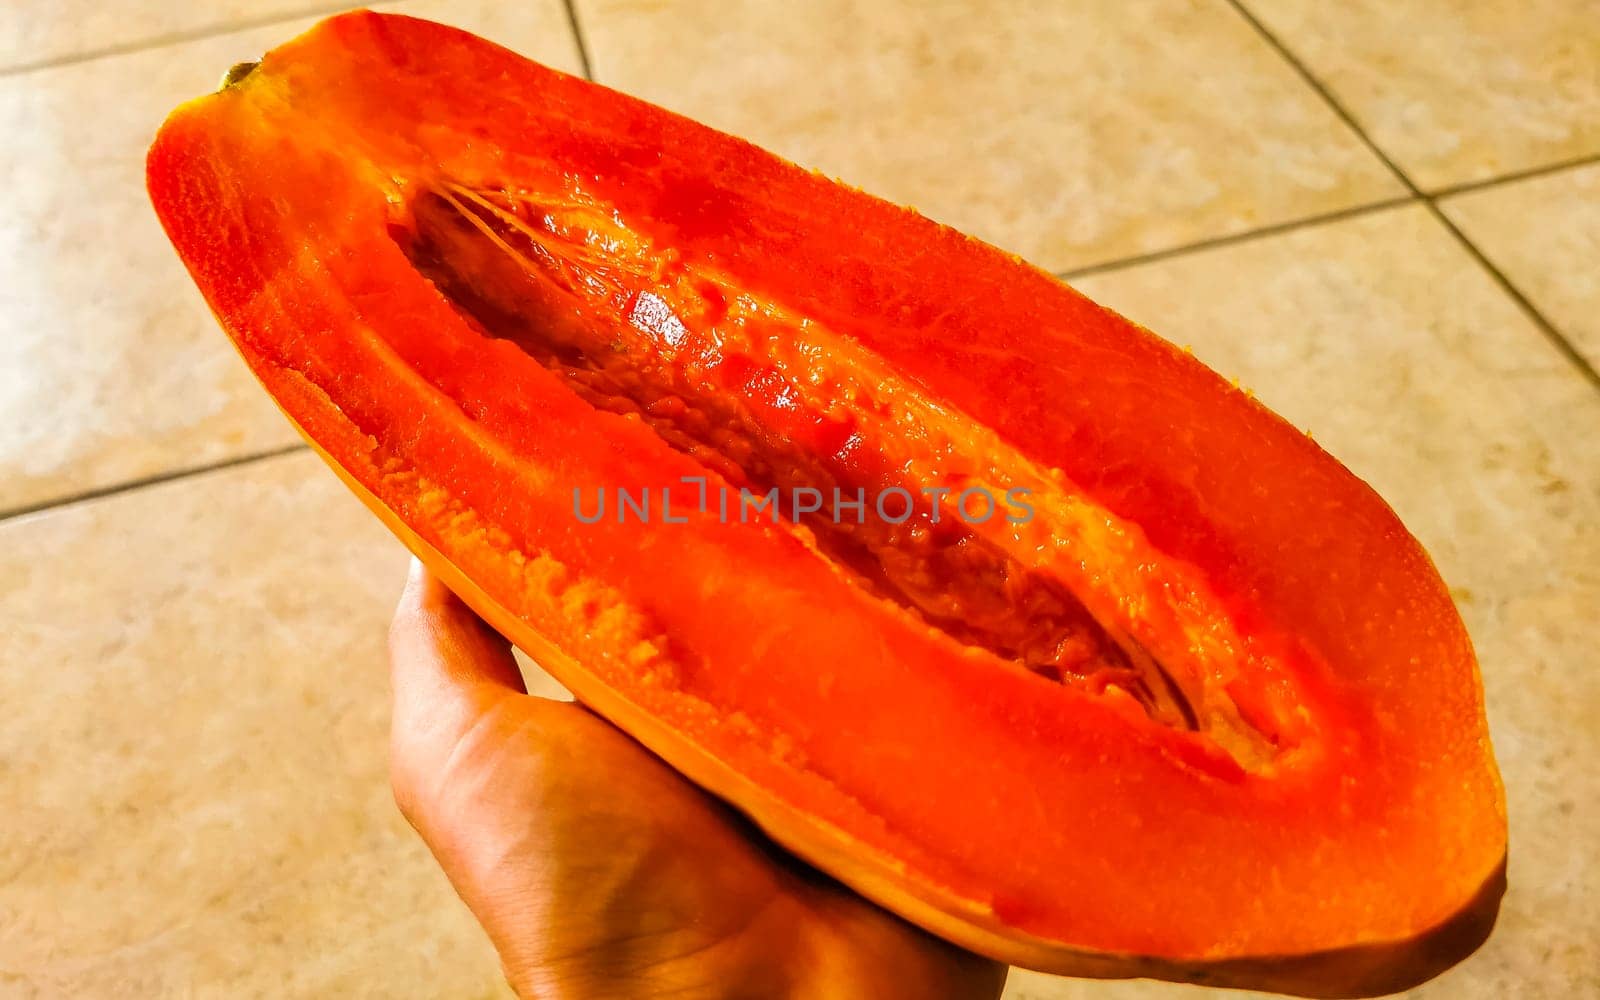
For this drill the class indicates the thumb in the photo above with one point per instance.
(437, 642)
(446, 668)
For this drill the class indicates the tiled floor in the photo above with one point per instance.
(1455, 91)
(1072, 134)
(193, 762)
(1544, 234)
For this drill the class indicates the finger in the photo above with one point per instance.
(437, 642)
(446, 670)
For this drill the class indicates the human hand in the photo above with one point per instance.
(597, 870)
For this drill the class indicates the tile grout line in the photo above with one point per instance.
(1322, 91)
(177, 38)
(1555, 337)
(1231, 239)
(133, 485)
(578, 39)
(1531, 173)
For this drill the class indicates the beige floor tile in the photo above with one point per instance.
(193, 764)
(1068, 133)
(539, 30)
(1456, 91)
(1383, 338)
(40, 31)
(112, 369)
(44, 30)
(1544, 234)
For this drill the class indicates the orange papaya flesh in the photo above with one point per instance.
(1195, 706)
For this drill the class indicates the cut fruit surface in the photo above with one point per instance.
(809, 427)
(998, 608)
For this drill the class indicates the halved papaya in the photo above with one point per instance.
(995, 606)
